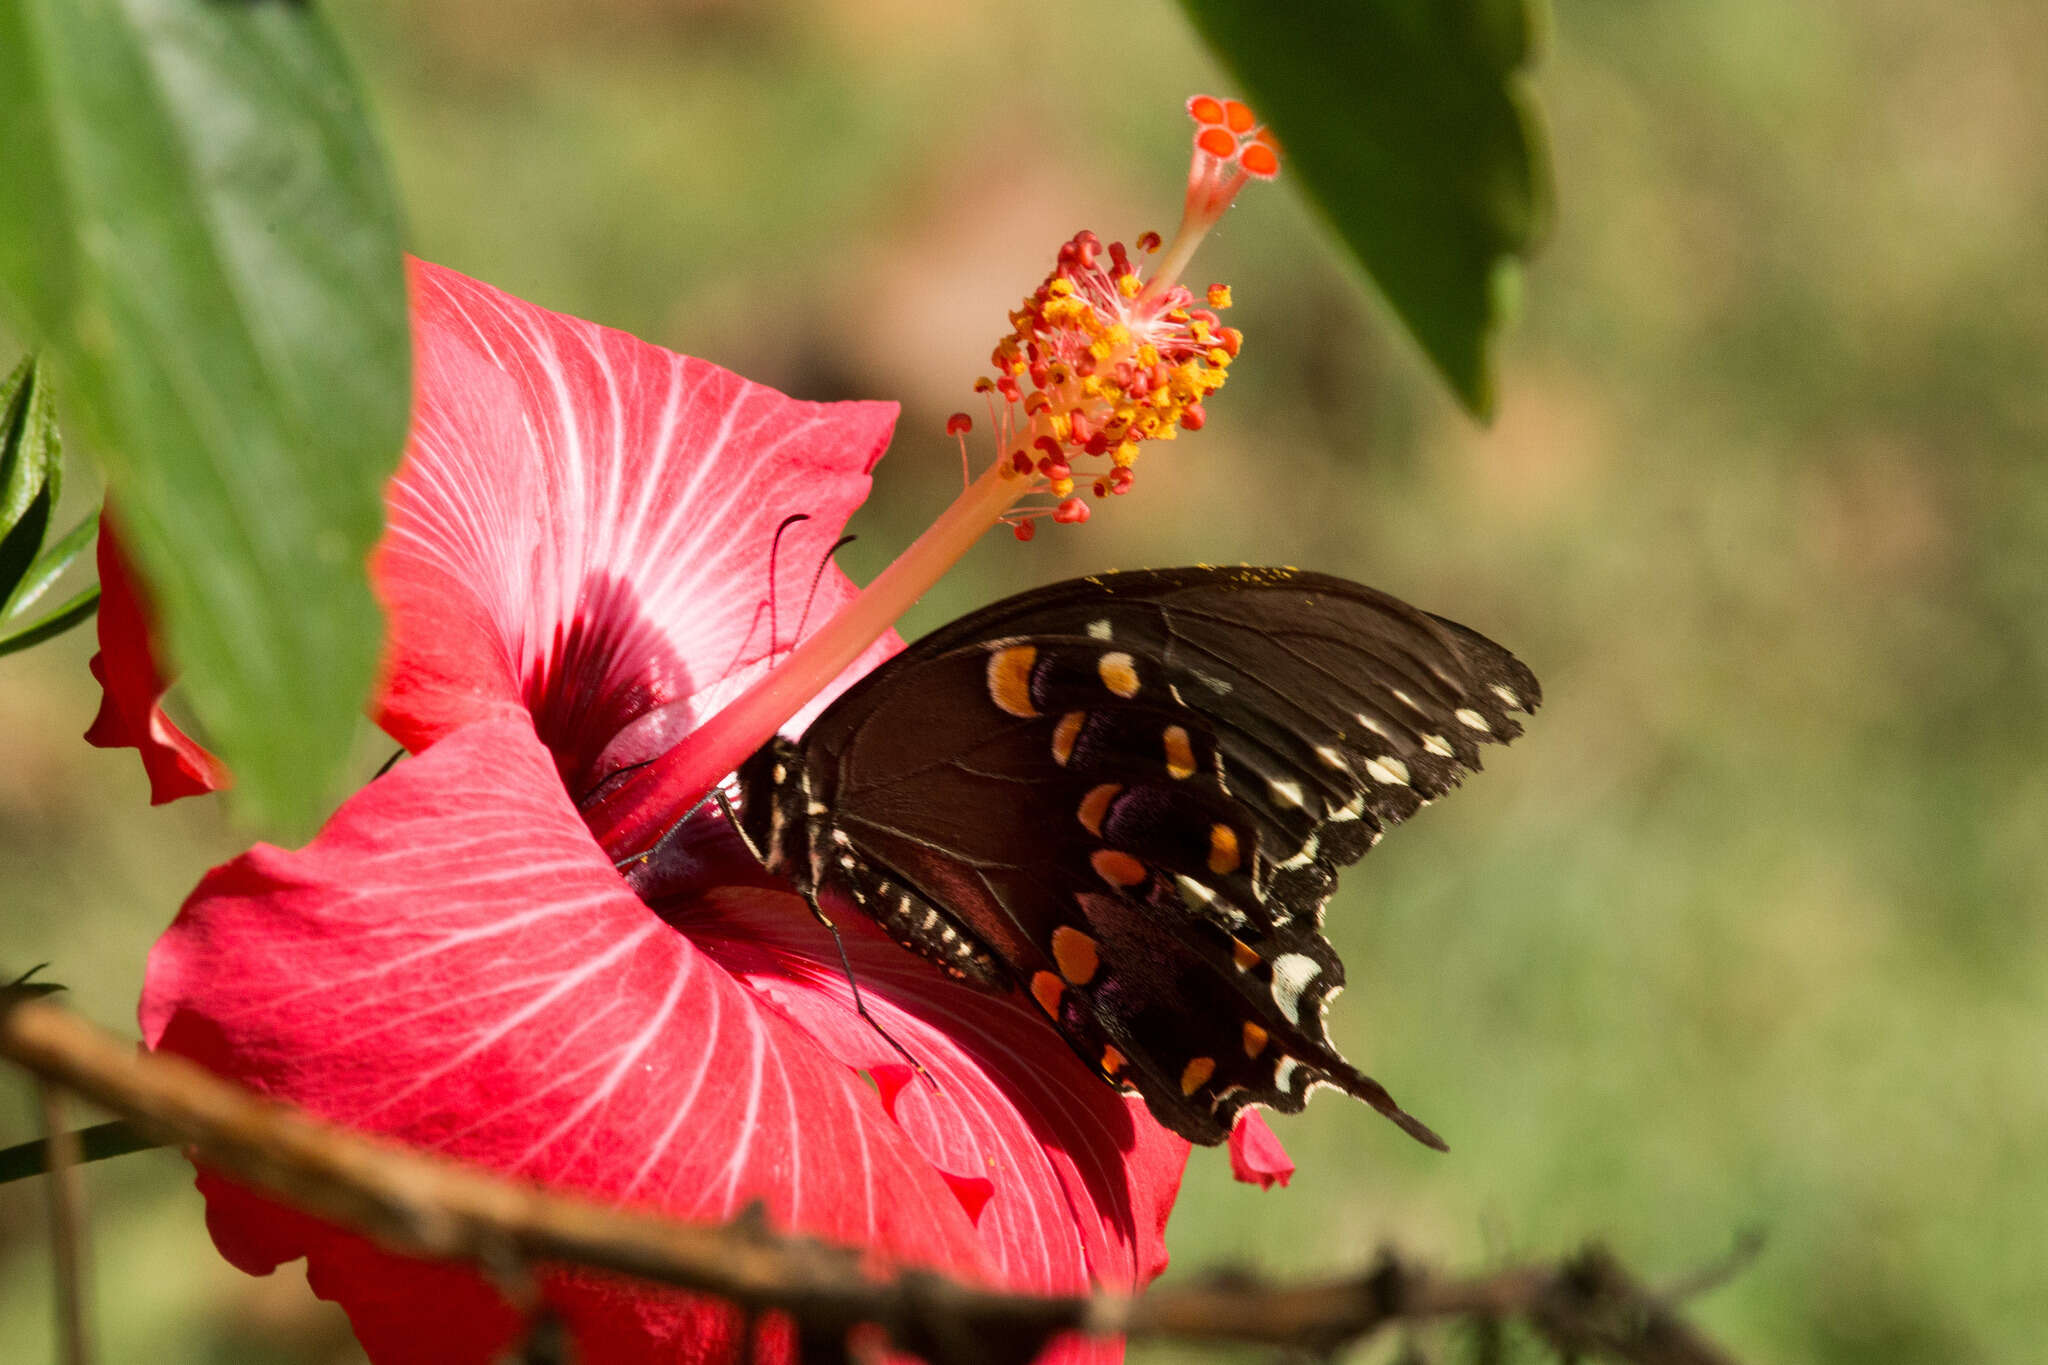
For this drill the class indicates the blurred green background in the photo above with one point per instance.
(1748, 932)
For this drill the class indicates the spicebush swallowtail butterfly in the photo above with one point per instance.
(1129, 796)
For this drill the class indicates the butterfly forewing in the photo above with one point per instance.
(1133, 793)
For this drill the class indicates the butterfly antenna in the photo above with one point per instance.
(819, 577)
(646, 853)
(774, 557)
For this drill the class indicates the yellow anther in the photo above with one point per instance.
(1125, 455)
(1062, 487)
(1119, 334)
(1219, 296)
(1100, 349)
(1128, 286)
(1062, 427)
(1218, 357)
(1200, 331)
(1060, 287)
(1148, 355)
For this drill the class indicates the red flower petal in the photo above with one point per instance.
(454, 963)
(1256, 1156)
(131, 690)
(582, 527)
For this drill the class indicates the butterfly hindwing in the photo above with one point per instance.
(1133, 793)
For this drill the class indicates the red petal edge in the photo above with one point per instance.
(132, 689)
(453, 963)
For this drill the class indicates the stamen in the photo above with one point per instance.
(1103, 357)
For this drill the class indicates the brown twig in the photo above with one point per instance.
(428, 1206)
(67, 1227)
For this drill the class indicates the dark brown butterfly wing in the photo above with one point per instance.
(1134, 792)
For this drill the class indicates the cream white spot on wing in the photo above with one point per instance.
(1404, 698)
(1350, 810)
(1303, 858)
(1283, 1075)
(1507, 696)
(1099, 630)
(1439, 746)
(818, 808)
(1333, 757)
(1369, 723)
(1291, 974)
(1289, 792)
(1472, 720)
(1389, 770)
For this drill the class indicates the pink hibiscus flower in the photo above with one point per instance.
(575, 575)
(576, 555)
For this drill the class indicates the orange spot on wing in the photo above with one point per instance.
(1075, 952)
(1095, 806)
(1119, 673)
(1009, 679)
(1197, 1074)
(1254, 1039)
(1118, 869)
(1047, 990)
(1180, 753)
(1223, 854)
(1064, 734)
(1243, 954)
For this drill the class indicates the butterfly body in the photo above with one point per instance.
(1128, 796)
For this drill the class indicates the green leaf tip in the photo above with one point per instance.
(1413, 129)
(207, 252)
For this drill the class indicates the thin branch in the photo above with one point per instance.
(67, 1228)
(429, 1206)
(115, 1137)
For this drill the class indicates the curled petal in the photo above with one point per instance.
(131, 713)
(584, 526)
(454, 963)
(1256, 1156)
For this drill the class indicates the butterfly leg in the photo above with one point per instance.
(859, 1005)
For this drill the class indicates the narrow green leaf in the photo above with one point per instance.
(76, 611)
(50, 565)
(1410, 122)
(31, 470)
(116, 1137)
(201, 232)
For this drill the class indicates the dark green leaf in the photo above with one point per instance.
(200, 229)
(76, 611)
(31, 469)
(50, 565)
(1410, 123)
(116, 1137)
